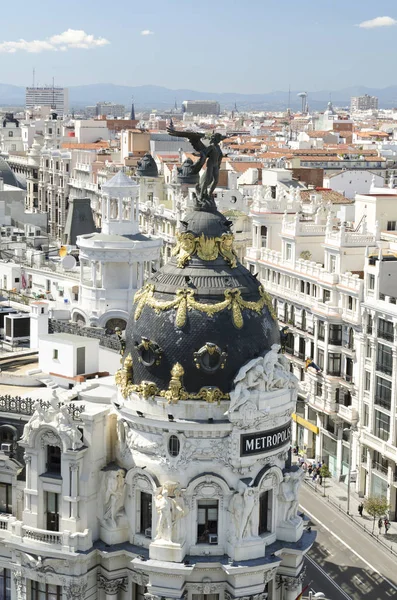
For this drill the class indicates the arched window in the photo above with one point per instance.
(10, 134)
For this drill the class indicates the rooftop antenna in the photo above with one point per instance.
(34, 77)
(53, 93)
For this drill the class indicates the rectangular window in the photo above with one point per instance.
(366, 415)
(368, 350)
(350, 303)
(321, 330)
(53, 460)
(367, 381)
(55, 354)
(146, 514)
(6, 498)
(384, 361)
(320, 359)
(332, 263)
(207, 521)
(288, 251)
(391, 226)
(319, 389)
(335, 335)
(371, 282)
(383, 393)
(385, 330)
(314, 291)
(5, 584)
(326, 295)
(307, 288)
(334, 362)
(264, 513)
(52, 511)
(369, 325)
(45, 591)
(382, 425)
(302, 287)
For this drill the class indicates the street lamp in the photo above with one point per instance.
(350, 429)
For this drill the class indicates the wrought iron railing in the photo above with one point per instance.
(25, 406)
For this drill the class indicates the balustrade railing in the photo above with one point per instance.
(25, 406)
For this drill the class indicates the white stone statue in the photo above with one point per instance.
(262, 374)
(114, 489)
(38, 418)
(241, 507)
(288, 495)
(180, 510)
(164, 507)
(65, 424)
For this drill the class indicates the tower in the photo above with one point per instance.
(132, 115)
(38, 322)
(204, 419)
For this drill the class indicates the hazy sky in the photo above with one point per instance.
(209, 45)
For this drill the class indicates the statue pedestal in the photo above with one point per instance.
(114, 534)
(290, 531)
(167, 551)
(246, 549)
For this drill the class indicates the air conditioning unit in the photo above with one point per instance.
(148, 532)
(6, 448)
(213, 538)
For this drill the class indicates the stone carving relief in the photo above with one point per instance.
(19, 583)
(291, 583)
(241, 507)
(171, 512)
(112, 586)
(139, 578)
(263, 374)
(56, 416)
(202, 449)
(42, 565)
(289, 496)
(113, 489)
(75, 590)
(143, 441)
(269, 575)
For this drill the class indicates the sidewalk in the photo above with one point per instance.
(336, 494)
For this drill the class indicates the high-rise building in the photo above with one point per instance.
(55, 97)
(110, 109)
(201, 107)
(365, 102)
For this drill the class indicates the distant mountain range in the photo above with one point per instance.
(153, 96)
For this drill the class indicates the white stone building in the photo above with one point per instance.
(179, 482)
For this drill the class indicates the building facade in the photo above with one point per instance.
(365, 102)
(55, 97)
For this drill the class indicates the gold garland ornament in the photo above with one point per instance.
(175, 391)
(206, 248)
(184, 301)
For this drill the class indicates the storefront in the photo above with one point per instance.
(305, 435)
(330, 454)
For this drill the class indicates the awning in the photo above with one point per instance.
(305, 424)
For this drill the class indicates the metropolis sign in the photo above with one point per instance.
(255, 443)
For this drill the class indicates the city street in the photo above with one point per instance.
(345, 562)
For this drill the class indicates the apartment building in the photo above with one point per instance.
(365, 102)
(56, 98)
(333, 289)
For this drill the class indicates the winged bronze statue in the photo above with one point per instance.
(212, 154)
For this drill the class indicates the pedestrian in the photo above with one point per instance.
(310, 470)
(387, 524)
(380, 525)
(360, 509)
(314, 475)
(320, 479)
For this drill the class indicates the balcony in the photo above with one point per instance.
(345, 412)
(65, 540)
(380, 468)
(386, 369)
(348, 378)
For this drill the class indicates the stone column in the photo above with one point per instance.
(120, 209)
(74, 490)
(108, 208)
(18, 587)
(292, 586)
(28, 460)
(112, 586)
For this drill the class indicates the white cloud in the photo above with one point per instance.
(72, 38)
(147, 32)
(378, 22)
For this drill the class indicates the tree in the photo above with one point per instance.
(324, 473)
(376, 507)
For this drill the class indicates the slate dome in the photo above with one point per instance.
(203, 310)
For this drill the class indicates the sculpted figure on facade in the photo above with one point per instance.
(262, 374)
(288, 495)
(171, 511)
(241, 507)
(165, 521)
(65, 425)
(114, 491)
